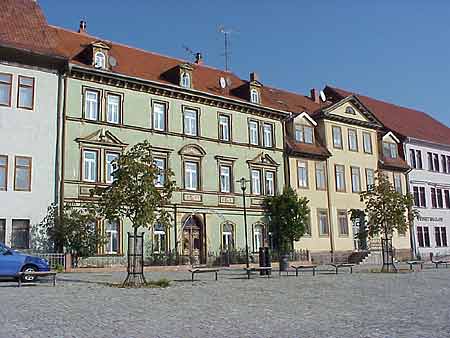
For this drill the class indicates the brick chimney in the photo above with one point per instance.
(254, 77)
(315, 95)
(199, 58)
(83, 27)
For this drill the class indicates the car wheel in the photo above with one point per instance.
(29, 279)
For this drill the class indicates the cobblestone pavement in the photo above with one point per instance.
(374, 305)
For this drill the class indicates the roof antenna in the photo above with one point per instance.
(189, 51)
(226, 34)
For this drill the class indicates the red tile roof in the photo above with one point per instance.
(404, 121)
(315, 150)
(24, 27)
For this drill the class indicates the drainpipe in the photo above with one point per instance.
(58, 137)
(175, 229)
(412, 237)
(63, 147)
(330, 224)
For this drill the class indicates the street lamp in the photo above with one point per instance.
(243, 182)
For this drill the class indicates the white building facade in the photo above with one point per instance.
(429, 183)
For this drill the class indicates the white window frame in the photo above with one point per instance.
(160, 163)
(92, 163)
(334, 135)
(302, 174)
(159, 117)
(258, 238)
(340, 185)
(367, 143)
(269, 177)
(100, 60)
(320, 168)
(268, 135)
(356, 179)
(224, 127)
(253, 129)
(185, 80)
(254, 96)
(110, 234)
(191, 175)
(91, 104)
(190, 122)
(225, 178)
(110, 167)
(256, 181)
(159, 241)
(352, 139)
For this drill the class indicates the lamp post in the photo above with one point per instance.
(243, 182)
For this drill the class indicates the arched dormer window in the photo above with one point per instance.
(100, 60)
(185, 80)
(254, 96)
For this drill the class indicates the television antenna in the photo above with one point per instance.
(189, 51)
(226, 35)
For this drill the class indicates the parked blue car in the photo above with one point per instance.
(12, 262)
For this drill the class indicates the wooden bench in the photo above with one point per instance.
(259, 268)
(304, 267)
(441, 262)
(337, 266)
(20, 275)
(412, 263)
(193, 271)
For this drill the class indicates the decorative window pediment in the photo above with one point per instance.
(263, 160)
(100, 54)
(102, 137)
(192, 150)
(185, 75)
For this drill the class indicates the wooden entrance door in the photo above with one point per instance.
(193, 240)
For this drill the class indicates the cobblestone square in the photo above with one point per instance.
(409, 305)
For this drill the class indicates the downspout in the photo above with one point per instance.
(412, 237)
(63, 147)
(330, 224)
(58, 137)
(287, 178)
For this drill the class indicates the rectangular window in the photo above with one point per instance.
(5, 89)
(444, 236)
(339, 171)
(308, 226)
(224, 128)
(419, 159)
(2, 230)
(433, 198)
(352, 140)
(190, 122)
(448, 163)
(423, 200)
(356, 179)
(270, 183)
(304, 134)
(91, 104)
(3, 172)
(159, 116)
(191, 176)
(22, 173)
(111, 166)
(367, 143)
(112, 237)
(324, 228)
(416, 196)
(390, 150)
(268, 135)
(256, 182)
(90, 165)
(320, 176)
(343, 222)
(225, 178)
(436, 162)
(302, 173)
(253, 127)
(113, 108)
(412, 158)
(447, 198)
(370, 178)
(437, 236)
(160, 179)
(337, 137)
(159, 239)
(444, 164)
(398, 183)
(420, 237)
(25, 95)
(440, 201)
(430, 162)
(20, 235)
(426, 236)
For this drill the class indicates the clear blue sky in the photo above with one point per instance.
(397, 51)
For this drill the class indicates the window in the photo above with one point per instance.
(22, 173)
(257, 237)
(440, 201)
(91, 105)
(340, 177)
(370, 179)
(420, 237)
(112, 237)
(433, 198)
(350, 110)
(160, 163)
(225, 178)
(5, 89)
(20, 236)
(423, 201)
(426, 236)
(444, 236)
(398, 183)
(227, 237)
(356, 179)
(352, 140)
(343, 222)
(390, 150)
(412, 158)
(367, 143)
(444, 164)
(100, 60)
(111, 165)
(304, 134)
(324, 228)
(3, 172)
(447, 199)
(191, 175)
(159, 116)
(256, 182)
(185, 80)
(159, 238)
(419, 159)
(190, 122)
(302, 174)
(416, 196)
(320, 176)
(254, 132)
(25, 95)
(224, 128)
(2, 230)
(254, 96)
(308, 226)
(430, 162)
(268, 135)
(270, 183)
(436, 162)
(113, 108)
(90, 165)
(448, 163)
(437, 236)
(337, 137)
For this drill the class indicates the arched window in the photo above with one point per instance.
(186, 80)
(159, 238)
(258, 231)
(99, 60)
(227, 236)
(254, 96)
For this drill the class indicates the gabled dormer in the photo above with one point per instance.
(302, 128)
(254, 89)
(392, 156)
(100, 55)
(185, 71)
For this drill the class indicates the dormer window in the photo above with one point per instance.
(100, 60)
(304, 134)
(254, 96)
(350, 110)
(185, 80)
(390, 150)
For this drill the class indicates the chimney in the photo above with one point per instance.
(198, 58)
(254, 77)
(315, 95)
(83, 27)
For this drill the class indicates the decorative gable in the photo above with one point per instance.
(263, 159)
(254, 89)
(102, 137)
(185, 71)
(192, 150)
(391, 138)
(99, 54)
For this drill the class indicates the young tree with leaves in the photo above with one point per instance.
(134, 195)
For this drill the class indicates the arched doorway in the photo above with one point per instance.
(193, 239)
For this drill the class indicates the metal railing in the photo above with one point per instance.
(55, 260)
